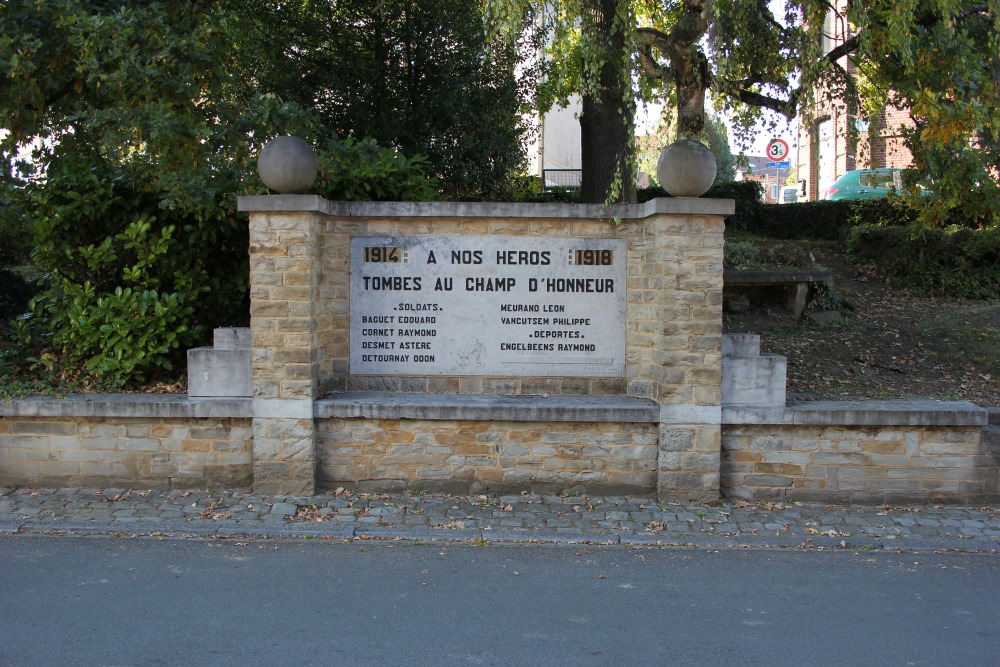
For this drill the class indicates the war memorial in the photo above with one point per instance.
(486, 348)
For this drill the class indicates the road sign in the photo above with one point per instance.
(785, 164)
(777, 150)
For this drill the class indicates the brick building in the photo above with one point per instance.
(754, 168)
(834, 139)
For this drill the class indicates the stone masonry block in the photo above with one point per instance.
(33, 427)
(754, 380)
(139, 444)
(676, 439)
(215, 372)
(701, 462)
(231, 338)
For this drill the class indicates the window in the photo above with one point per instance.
(870, 179)
(830, 37)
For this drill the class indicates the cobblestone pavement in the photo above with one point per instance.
(480, 519)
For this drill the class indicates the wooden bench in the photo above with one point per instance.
(795, 283)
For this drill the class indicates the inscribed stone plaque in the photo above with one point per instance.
(497, 306)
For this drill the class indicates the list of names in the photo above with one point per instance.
(495, 306)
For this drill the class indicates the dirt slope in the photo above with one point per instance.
(890, 344)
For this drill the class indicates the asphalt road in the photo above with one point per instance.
(113, 601)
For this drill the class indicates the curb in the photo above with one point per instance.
(160, 528)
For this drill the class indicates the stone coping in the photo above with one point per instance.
(373, 405)
(317, 204)
(127, 405)
(775, 276)
(474, 407)
(860, 413)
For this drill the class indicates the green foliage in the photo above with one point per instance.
(14, 249)
(15, 243)
(884, 211)
(935, 59)
(129, 286)
(746, 193)
(364, 171)
(953, 261)
(740, 255)
(747, 253)
(826, 297)
(142, 120)
(808, 220)
(827, 220)
(14, 294)
(417, 77)
(46, 374)
(938, 60)
(822, 220)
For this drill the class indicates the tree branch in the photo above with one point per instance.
(788, 108)
(63, 92)
(846, 48)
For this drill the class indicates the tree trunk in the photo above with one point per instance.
(690, 77)
(606, 119)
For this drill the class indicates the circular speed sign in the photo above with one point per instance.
(777, 150)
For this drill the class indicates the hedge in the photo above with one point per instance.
(953, 261)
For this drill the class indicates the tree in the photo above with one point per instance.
(589, 54)
(752, 60)
(607, 106)
(143, 119)
(140, 134)
(416, 76)
(941, 61)
(714, 134)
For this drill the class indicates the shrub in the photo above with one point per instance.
(14, 235)
(130, 285)
(829, 220)
(746, 193)
(740, 255)
(15, 293)
(822, 220)
(885, 211)
(14, 250)
(125, 332)
(755, 253)
(364, 171)
(955, 261)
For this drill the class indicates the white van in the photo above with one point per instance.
(789, 194)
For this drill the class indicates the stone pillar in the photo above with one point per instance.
(284, 334)
(675, 302)
(689, 459)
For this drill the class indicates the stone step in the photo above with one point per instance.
(231, 338)
(758, 381)
(740, 345)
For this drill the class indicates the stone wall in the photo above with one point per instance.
(125, 452)
(674, 284)
(866, 452)
(886, 454)
(662, 428)
(300, 320)
(485, 456)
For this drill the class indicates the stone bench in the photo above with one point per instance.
(794, 283)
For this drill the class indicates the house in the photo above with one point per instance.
(755, 168)
(834, 138)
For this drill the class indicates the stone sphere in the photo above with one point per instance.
(287, 165)
(686, 168)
